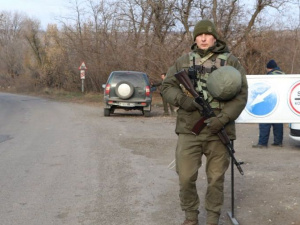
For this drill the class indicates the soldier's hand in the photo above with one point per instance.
(214, 124)
(187, 103)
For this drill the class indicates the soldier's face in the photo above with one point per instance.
(205, 41)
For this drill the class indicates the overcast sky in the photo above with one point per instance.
(47, 10)
(43, 10)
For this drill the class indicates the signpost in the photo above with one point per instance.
(82, 69)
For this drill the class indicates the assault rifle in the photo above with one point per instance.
(208, 112)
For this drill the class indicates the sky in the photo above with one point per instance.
(44, 10)
(47, 11)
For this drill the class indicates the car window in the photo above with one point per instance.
(134, 78)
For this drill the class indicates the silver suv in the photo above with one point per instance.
(127, 90)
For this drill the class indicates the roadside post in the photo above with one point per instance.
(82, 69)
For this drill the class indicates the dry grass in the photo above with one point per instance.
(76, 97)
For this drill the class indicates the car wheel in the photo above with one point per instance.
(106, 112)
(147, 113)
(124, 90)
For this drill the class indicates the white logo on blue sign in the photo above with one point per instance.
(262, 100)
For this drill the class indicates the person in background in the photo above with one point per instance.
(211, 55)
(265, 128)
(166, 105)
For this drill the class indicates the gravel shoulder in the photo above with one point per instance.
(268, 193)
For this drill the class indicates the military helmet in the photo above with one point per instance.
(224, 83)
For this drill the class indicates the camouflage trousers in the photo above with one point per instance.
(189, 152)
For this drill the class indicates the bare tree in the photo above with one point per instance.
(144, 35)
(296, 43)
(31, 35)
(11, 44)
(182, 13)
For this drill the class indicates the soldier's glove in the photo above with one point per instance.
(215, 124)
(187, 103)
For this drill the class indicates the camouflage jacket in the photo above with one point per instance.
(231, 109)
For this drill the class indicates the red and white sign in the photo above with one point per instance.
(294, 98)
(82, 74)
(82, 66)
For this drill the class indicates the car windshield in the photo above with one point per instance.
(137, 79)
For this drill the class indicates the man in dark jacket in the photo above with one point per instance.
(265, 128)
(211, 53)
(166, 105)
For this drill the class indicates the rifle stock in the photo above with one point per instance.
(184, 79)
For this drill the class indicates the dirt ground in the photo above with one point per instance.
(137, 187)
(268, 192)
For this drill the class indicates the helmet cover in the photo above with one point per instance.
(224, 83)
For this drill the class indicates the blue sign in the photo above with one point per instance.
(262, 99)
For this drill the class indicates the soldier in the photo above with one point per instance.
(208, 54)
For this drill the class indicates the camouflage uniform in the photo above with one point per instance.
(191, 148)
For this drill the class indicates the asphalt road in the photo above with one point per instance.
(64, 163)
(67, 164)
